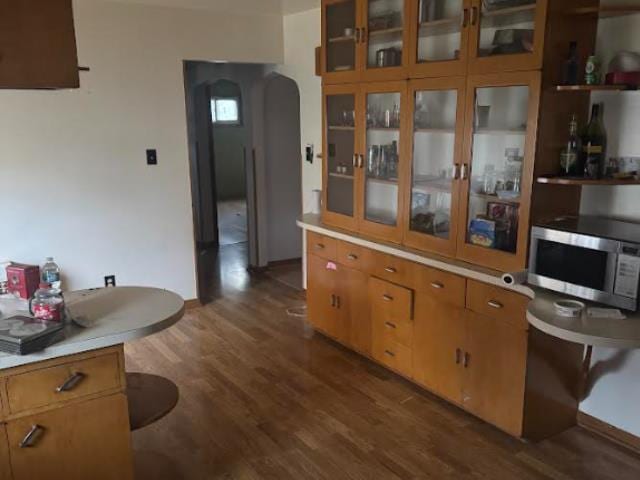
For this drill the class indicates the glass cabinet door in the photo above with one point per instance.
(382, 159)
(438, 114)
(340, 159)
(340, 21)
(508, 34)
(441, 37)
(385, 31)
(501, 145)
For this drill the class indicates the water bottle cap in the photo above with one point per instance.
(49, 259)
(44, 285)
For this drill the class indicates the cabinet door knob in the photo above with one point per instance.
(357, 35)
(464, 171)
(390, 325)
(437, 285)
(390, 270)
(465, 18)
(32, 436)
(363, 35)
(458, 356)
(333, 300)
(387, 298)
(390, 354)
(351, 256)
(355, 160)
(71, 382)
(466, 360)
(456, 171)
(337, 301)
(474, 15)
(495, 304)
(319, 246)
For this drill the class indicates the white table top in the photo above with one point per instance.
(540, 313)
(115, 315)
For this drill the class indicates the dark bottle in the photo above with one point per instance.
(594, 145)
(570, 156)
(570, 67)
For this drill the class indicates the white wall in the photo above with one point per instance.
(302, 35)
(616, 395)
(74, 179)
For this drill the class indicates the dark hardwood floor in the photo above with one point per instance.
(262, 396)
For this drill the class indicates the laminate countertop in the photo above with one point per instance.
(624, 334)
(111, 316)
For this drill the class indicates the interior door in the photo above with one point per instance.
(436, 117)
(385, 37)
(340, 145)
(439, 37)
(341, 62)
(87, 440)
(354, 310)
(382, 160)
(439, 333)
(494, 365)
(322, 281)
(506, 36)
(497, 171)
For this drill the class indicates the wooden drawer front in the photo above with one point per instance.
(393, 330)
(388, 267)
(351, 255)
(390, 301)
(498, 303)
(447, 287)
(394, 355)
(39, 388)
(322, 246)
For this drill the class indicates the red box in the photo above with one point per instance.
(23, 280)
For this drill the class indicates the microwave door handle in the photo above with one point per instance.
(611, 273)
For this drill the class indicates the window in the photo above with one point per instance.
(225, 111)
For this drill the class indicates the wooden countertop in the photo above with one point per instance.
(114, 315)
(540, 312)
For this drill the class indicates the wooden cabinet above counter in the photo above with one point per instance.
(37, 45)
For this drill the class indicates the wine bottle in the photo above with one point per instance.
(594, 144)
(570, 156)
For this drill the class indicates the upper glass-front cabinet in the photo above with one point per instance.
(506, 35)
(341, 38)
(499, 145)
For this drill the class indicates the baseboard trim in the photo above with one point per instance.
(191, 304)
(608, 431)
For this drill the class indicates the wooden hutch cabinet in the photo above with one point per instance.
(438, 117)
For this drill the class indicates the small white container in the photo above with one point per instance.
(569, 308)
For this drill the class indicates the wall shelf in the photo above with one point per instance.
(595, 88)
(607, 11)
(350, 38)
(568, 181)
(439, 27)
(343, 176)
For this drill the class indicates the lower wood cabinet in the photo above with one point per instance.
(85, 441)
(464, 340)
(5, 464)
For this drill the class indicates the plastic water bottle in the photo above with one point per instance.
(50, 273)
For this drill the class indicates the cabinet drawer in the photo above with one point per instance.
(390, 301)
(394, 355)
(61, 383)
(351, 255)
(392, 330)
(322, 246)
(388, 267)
(447, 287)
(497, 303)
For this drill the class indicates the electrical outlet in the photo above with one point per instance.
(152, 157)
(110, 281)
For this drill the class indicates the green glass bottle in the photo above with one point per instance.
(594, 145)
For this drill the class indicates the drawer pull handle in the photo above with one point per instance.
(351, 256)
(495, 304)
(71, 382)
(333, 300)
(390, 325)
(390, 354)
(387, 298)
(32, 437)
(319, 246)
(337, 301)
(466, 360)
(458, 356)
(390, 270)
(437, 285)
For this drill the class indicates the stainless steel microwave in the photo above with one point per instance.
(588, 257)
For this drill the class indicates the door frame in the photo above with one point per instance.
(492, 258)
(412, 238)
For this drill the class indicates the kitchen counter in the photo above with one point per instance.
(540, 312)
(112, 315)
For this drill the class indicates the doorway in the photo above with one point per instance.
(246, 159)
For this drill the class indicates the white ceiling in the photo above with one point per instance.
(263, 7)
